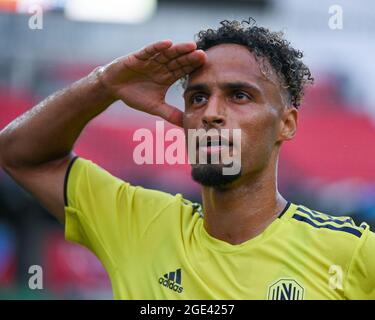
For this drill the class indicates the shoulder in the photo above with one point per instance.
(335, 226)
(333, 236)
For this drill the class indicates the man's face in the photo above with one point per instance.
(230, 91)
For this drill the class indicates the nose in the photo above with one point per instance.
(214, 114)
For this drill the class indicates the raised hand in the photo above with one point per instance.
(142, 79)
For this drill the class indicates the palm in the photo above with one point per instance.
(142, 79)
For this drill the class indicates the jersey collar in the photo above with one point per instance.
(225, 247)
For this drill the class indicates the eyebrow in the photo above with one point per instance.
(225, 85)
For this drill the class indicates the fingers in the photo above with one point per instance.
(185, 65)
(152, 49)
(193, 59)
(164, 51)
(175, 51)
(175, 61)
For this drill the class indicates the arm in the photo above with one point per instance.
(36, 148)
(360, 280)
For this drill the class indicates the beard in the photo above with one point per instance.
(211, 175)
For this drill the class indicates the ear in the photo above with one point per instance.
(288, 127)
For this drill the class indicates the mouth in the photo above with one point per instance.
(214, 144)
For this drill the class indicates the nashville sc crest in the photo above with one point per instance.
(285, 289)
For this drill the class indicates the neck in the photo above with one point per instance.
(242, 211)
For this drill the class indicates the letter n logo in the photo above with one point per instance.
(286, 289)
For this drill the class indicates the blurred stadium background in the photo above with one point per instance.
(329, 166)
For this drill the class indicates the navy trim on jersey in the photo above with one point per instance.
(66, 180)
(352, 231)
(285, 209)
(330, 219)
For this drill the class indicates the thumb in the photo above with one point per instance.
(171, 114)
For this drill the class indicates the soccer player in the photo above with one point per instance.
(246, 241)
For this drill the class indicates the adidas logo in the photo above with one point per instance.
(172, 281)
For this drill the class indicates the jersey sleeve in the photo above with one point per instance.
(106, 214)
(361, 275)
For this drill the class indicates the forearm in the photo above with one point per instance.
(49, 130)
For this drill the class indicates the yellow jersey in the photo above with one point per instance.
(153, 245)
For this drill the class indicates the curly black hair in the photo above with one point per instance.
(263, 43)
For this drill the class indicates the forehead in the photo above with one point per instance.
(231, 62)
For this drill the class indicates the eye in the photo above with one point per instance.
(241, 96)
(198, 99)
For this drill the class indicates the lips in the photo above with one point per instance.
(212, 144)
